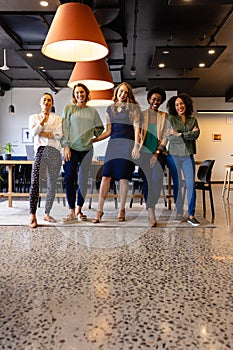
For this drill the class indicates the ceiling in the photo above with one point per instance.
(137, 33)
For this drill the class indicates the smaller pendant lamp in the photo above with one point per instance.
(94, 74)
(101, 98)
(11, 109)
(75, 35)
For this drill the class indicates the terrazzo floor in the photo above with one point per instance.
(116, 286)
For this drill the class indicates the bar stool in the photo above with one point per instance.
(227, 180)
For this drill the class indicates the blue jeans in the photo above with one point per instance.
(80, 164)
(186, 165)
(152, 178)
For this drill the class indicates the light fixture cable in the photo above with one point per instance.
(133, 66)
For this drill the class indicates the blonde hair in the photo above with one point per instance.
(131, 104)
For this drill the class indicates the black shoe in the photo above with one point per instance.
(193, 221)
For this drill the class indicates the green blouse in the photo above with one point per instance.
(79, 126)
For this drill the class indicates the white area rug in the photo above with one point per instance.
(136, 217)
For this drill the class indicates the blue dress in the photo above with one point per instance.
(118, 163)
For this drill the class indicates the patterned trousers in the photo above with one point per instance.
(47, 165)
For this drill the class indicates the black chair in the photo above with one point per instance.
(4, 177)
(137, 185)
(204, 176)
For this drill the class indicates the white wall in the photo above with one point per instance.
(26, 102)
(215, 124)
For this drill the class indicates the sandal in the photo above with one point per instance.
(98, 217)
(33, 223)
(49, 218)
(121, 216)
(70, 219)
(81, 216)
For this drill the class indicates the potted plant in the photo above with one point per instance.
(7, 149)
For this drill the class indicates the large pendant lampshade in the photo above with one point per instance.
(75, 35)
(94, 74)
(101, 98)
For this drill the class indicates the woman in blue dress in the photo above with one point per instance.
(123, 127)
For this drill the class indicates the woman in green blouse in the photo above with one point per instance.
(80, 123)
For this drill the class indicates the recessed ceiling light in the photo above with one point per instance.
(211, 51)
(44, 3)
(161, 65)
(166, 52)
(201, 65)
(29, 54)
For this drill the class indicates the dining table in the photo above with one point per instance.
(10, 193)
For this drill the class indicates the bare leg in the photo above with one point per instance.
(33, 221)
(103, 192)
(124, 187)
(152, 218)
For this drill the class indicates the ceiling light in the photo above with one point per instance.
(101, 98)
(29, 54)
(75, 35)
(211, 52)
(133, 71)
(209, 111)
(161, 65)
(185, 57)
(166, 52)
(44, 3)
(11, 109)
(201, 65)
(94, 74)
(5, 66)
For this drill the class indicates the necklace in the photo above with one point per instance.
(119, 109)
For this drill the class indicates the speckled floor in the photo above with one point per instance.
(117, 287)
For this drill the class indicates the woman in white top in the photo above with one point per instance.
(46, 128)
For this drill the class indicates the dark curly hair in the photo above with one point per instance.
(187, 101)
(157, 90)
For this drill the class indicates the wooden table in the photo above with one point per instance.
(10, 194)
(10, 164)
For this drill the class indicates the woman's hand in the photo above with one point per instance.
(153, 160)
(172, 131)
(135, 152)
(67, 154)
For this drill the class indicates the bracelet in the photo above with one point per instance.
(137, 145)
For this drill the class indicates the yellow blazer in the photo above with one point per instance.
(161, 129)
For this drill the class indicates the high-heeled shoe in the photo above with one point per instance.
(98, 217)
(121, 216)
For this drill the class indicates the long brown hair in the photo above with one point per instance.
(88, 97)
(130, 103)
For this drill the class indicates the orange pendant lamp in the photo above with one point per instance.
(101, 98)
(94, 74)
(75, 35)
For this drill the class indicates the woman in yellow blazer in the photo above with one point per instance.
(153, 150)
